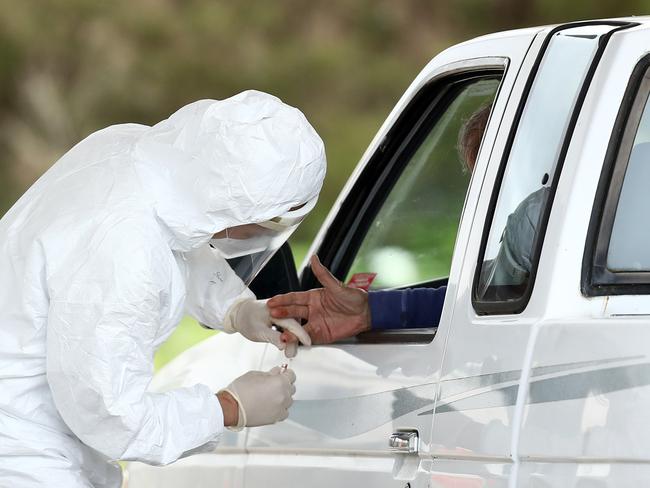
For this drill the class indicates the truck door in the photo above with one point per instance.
(499, 307)
(398, 217)
(587, 393)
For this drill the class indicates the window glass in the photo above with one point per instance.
(629, 246)
(508, 256)
(412, 237)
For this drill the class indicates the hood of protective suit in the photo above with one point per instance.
(215, 164)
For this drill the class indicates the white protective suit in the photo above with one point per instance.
(101, 258)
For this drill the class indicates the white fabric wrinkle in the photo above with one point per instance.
(253, 158)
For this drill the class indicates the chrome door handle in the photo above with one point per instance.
(405, 441)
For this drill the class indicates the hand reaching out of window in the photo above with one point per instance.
(333, 312)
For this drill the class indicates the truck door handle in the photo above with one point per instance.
(405, 441)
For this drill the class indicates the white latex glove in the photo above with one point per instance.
(263, 398)
(252, 319)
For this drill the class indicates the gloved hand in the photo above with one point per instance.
(263, 398)
(252, 319)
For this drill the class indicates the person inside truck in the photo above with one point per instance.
(336, 311)
(506, 276)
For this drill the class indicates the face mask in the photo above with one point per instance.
(235, 248)
(248, 254)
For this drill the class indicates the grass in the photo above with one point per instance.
(188, 333)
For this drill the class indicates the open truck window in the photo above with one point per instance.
(411, 239)
(400, 219)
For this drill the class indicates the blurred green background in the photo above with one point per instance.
(70, 67)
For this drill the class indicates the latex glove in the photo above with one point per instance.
(252, 319)
(263, 398)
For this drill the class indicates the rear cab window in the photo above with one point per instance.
(523, 195)
(617, 260)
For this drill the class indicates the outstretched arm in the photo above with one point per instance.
(333, 312)
(337, 312)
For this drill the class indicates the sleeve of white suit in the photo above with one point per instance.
(212, 287)
(103, 322)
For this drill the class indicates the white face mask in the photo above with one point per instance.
(249, 254)
(235, 248)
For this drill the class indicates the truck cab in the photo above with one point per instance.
(538, 373)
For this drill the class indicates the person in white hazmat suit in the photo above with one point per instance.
(103, 255)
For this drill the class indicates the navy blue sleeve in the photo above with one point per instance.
(413, 308)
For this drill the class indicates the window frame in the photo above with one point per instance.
(517, 306)
(597, 279)
(358, 211)
(362, 203)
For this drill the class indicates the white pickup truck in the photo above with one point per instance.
(536, 376)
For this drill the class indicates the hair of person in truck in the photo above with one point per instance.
(470, 135)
